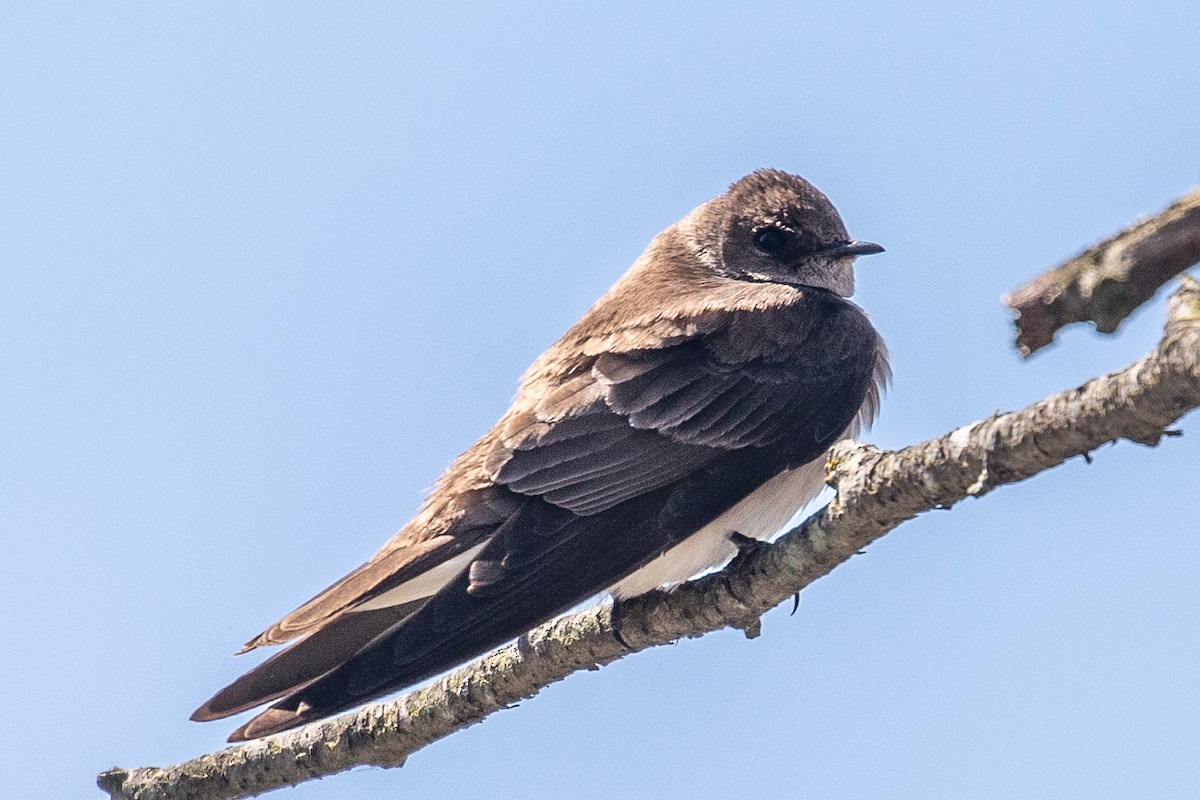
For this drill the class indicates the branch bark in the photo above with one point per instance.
(876, 491)
(1105, 283)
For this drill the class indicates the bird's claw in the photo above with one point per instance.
(746, 549)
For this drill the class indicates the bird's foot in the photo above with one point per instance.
(617, 619)
(746, 549)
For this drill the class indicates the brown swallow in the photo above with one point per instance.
(693, 401)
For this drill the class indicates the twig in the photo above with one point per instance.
(1105, 283)
(876, 491)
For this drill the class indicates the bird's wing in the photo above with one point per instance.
(340, 620)
(638, 419)
(406, 568)
(611, 466)
(622, 423)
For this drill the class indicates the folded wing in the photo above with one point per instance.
(596, 472)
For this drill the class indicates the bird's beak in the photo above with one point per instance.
(854, 249)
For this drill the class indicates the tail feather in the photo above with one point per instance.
(457, 624)
(305, 661)
(329, 604)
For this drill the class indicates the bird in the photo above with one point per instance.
(686, 414)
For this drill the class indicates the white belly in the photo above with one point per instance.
(759, 516)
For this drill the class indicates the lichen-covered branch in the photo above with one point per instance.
(1105, 283)
(876, 491)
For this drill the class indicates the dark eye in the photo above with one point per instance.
(771, 241)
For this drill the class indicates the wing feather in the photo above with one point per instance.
(581, 459)
(641, 419)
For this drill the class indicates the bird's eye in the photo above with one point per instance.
(771, 241)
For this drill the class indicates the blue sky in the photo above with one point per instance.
(265, 269)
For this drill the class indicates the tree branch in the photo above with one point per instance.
(1105, 283)
(876, 491)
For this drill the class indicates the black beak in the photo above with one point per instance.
(854, 249)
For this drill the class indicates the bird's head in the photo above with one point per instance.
(778, 228)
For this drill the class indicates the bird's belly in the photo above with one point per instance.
(759, 515)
